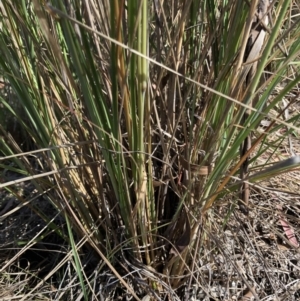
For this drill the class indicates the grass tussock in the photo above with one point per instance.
(148, 136)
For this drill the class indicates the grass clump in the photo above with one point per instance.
(138, 114)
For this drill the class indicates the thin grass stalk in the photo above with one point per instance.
(144, 216)
(77, 260)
